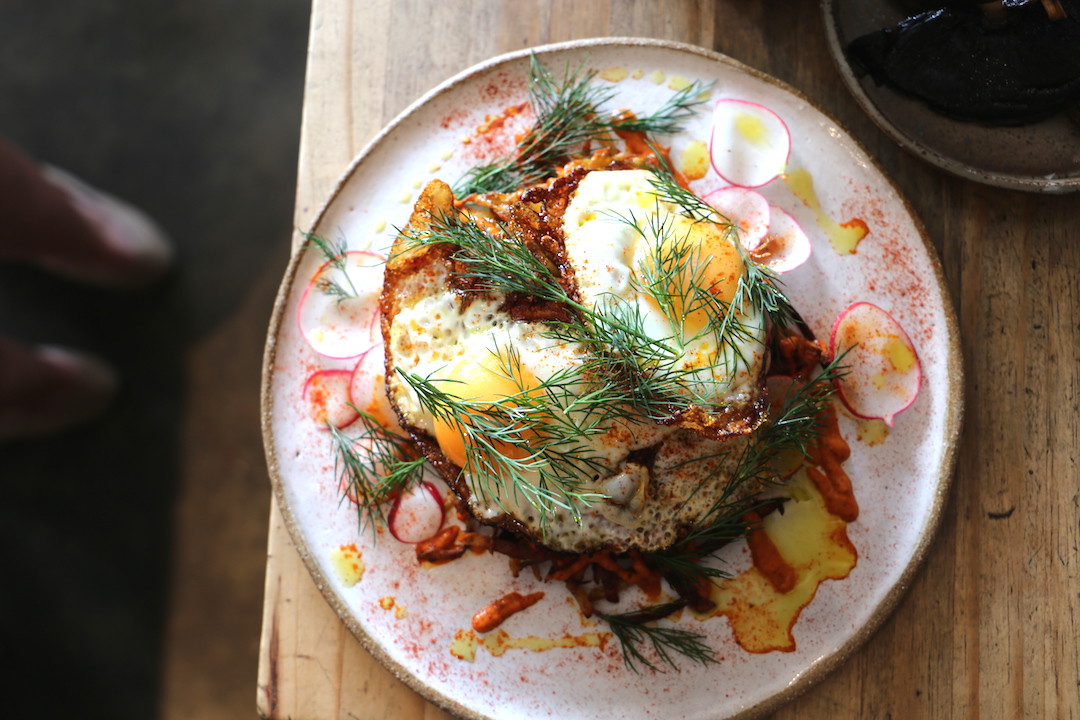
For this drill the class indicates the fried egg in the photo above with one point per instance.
(625, 243)
(642, 482)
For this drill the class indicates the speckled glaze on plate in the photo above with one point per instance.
(407, 616)
(1040, 157)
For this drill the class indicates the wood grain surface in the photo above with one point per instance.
(989, 627)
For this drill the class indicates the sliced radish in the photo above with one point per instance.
(884, 374)
(417, 514)
(367, 389)
(750, 143)
(785, 246)
(745, 209)
(363, 449)
(340, 326)
(327, 395)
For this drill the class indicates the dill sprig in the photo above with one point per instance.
(632, 631)
(759, 286)
(669, 117)
(495, 262)
(336, 255)
(679, 562)
(568, 115)
(522, 445)
(799, 422)
(374, 465)
(668, 190)
(614, 329)
(639, 370)
(674, 275)
(796, 427)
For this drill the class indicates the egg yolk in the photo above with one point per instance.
(701, 256)
(487, 381)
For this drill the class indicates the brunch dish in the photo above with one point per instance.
(612, 365)
(985, 91)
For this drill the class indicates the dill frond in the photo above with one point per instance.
(677, 562)
(519, 445)
(374, 466)
(796, 427)
(495, 262)
(760, 286)
(632, 632)
(670, 117)
(673, 275)
(336, 255)
(568, 115)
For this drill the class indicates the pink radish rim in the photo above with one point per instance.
(888, 420)
(740, 189)
(712, 136)
(786, 267)
(311, 286)
(348, 393)
(391, 518)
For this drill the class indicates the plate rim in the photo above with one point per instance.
(1010, 181)
(819, 668)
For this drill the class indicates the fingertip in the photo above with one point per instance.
(136, 252)
(53, 389)
(59, 222)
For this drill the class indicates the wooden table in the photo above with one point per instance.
(989, 627)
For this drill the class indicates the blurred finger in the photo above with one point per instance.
(55, 220)
(46, 389)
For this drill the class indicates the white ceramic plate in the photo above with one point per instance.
(408, 615)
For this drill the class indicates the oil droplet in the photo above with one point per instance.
(678, 82)
(390, 603)
(871, 432)
(348, 563)
(434, 167)
(614, 74)
(638, 74)
(844, 237)
(815, 544)
(657, 76)
(694, 162)
(447, 154)
(751, 128)
(380, 226)
(463, 646)
(417, 184)
(900, 354)
(466, 643)
(405, 198)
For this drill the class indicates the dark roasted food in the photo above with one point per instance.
(1012, 66)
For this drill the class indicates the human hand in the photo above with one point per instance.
(53, 220)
